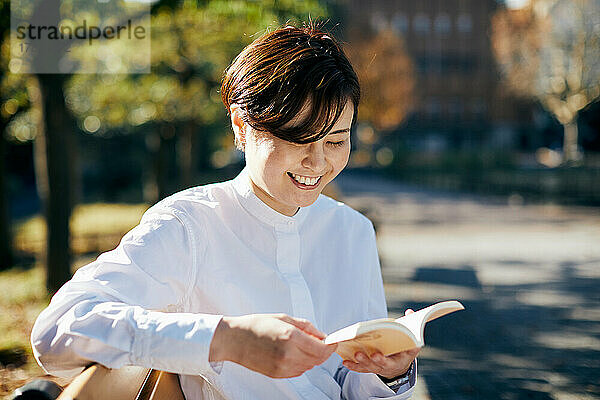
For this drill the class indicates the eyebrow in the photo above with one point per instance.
(339, 131)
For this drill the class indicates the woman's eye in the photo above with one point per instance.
(337, 144)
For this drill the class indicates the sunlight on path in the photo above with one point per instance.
(528, 276)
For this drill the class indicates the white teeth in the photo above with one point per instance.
(305, 180)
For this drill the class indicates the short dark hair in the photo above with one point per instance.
(279, 73)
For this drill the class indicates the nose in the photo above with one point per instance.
(314, 158)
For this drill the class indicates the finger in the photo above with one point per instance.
(354, 366)
(326, 355)
(306, 326)
(319, 359)
(358, 366)
(394, 365)
(366, 362)
(404, 356)
(350, 365)
(408, 311)
(412, 353)
(382, 361)
(310, 345)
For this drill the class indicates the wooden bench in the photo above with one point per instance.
(128, 383)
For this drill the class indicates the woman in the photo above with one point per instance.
(232, 284)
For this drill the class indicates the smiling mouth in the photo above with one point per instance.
(305, 182)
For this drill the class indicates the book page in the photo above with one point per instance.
(416, 321)
(386, 335)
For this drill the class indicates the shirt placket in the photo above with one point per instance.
(288, 263)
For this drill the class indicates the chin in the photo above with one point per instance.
(307, 201)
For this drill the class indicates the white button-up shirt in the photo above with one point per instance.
(215, 250)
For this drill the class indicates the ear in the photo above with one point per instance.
(238, 125)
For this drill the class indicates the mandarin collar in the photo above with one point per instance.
(259, 209)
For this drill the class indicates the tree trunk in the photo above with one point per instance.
(163, 161)
(162, 166)
(6, 255)
(570, 148)
(54, 172)
(158, 144)
(186, 150)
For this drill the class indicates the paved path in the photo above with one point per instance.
(528, 275)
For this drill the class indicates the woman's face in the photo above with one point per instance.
(287, 175)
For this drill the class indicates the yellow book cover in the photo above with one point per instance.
(387, 335)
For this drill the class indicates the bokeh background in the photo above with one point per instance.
(476, 154)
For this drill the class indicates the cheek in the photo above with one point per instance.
(274, 162)
(339, 160)
(277, 162)
(260, 154)
(263, 150)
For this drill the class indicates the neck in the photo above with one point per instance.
(289, 211)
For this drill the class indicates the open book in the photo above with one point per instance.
(389, 335)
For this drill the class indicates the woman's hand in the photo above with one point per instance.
(275, 345)
(389, 367)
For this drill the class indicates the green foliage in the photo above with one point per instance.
(192, 44)
(14, 98)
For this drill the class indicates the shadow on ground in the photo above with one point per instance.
(513, 341)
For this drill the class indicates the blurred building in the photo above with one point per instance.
(459, 102)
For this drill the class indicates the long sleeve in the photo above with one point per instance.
(208, 251)
(360, 386)
(118, 310)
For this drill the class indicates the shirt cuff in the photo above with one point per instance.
(217, 366)
(175, 342)
(361, 386)
(408, 377)
(402, 392)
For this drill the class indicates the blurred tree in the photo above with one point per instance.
(52, 127)
(192, 44)
(9, 108)
(6, 255)
(387, 78)
(14, 110)
(550, 50)
(54, 152)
